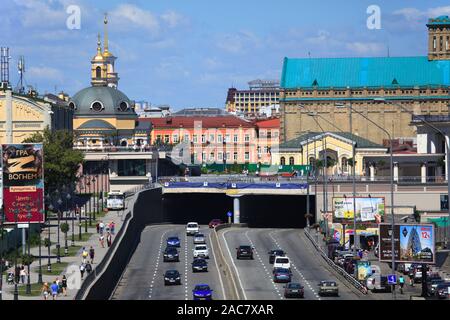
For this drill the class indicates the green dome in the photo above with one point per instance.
(101, 101)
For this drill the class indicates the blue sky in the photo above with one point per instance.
(188, 52)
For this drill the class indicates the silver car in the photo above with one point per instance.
(199, 239)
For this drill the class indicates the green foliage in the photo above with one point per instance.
(350, 162)
(27, 259)
(61, 161)
(47, 242)
(65, 227)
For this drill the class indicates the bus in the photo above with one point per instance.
(115, 201)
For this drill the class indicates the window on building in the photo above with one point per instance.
(131, 168)
(166, 138)
(195, 138)
(282, 161)
(247, 156)
(211, 156)
(247, 138)
(291, 161)
(98, 72)
(203, 156)
(219, 138)
(235, 138)
(227, 138)
(220, 156)
(344, 164)
(269, 134)
(158, 138)
(203, 138)
(235, 156)
(186, 138)
(228, 156)
(175, 138)
(211, 138)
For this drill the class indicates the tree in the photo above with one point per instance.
(350, 162)
(61, 161)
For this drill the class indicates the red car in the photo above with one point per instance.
(214, 223)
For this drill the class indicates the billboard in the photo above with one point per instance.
(23, 183)
(368, 209)
(413, 243)
(364, 269)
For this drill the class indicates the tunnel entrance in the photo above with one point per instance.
(259, 211)
(275, 211)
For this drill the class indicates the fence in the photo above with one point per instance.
(349, 278)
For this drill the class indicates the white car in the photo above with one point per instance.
(192, 228)
(199, 239)
(201, 251)
(282, 262)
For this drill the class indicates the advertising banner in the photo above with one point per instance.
(364, 269)
(368, 209)
(413, 243)
(23, 183)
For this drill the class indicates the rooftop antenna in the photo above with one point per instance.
(4, 66)
(21, 69)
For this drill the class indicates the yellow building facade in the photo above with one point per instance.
(309, 148)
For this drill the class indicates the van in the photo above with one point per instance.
(282, 262)
(192, 228)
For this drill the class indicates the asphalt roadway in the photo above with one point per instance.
(143, 278)
(255, 276)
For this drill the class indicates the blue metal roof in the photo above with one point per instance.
(364, 72)
(441, 20)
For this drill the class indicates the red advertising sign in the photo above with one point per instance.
(23, 183)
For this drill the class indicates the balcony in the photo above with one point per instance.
(430, 118)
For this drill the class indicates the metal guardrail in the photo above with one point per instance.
(363, 289)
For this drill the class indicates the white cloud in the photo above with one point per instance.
(415, 15)
(172, 18)
(239, 42)
(131, 14)
(46, 73)
(366, 48)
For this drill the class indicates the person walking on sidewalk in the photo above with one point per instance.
(23, 274)
(102, 240)
(92, 254)
(82, 269)
(64, 285)
(109, 239)
(112, 226)
(102, 227)
(54, 288)
(84, 255)
(98, 227)
(45, 290)
(401, 281)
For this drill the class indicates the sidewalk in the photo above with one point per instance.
(75, 260)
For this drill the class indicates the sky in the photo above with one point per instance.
(187, 53)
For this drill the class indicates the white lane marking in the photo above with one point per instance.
(157, 264)
(295, 268)
(185, 267)
(217, 267)
(262, 263)
(234, 265)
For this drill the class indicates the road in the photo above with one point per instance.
(255, 275)
(143, 278)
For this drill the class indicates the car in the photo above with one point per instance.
(214, 223)
(173, 242)
(442, 290)
(201, 250)
(244, 252)
(199, 265)
(378, 283)
(172, 277)
(433, 284)
(294, 290)
(202, 292)
(199, 238)
(328, 287)
(282, 262)
(171, 255)
(275, 253)
(281, 275)
(192, 228)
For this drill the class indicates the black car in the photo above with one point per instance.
(244, 252)
(172, 277)
(275, 253)
(199, 265)
(171, 255)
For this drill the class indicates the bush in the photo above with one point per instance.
(65, 227)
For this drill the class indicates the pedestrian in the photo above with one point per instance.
(54, 288)
(109, 239)
(82, 269)
(84, 255)
(88, 268)
(92, 254)
(411, 281)
(45, 290)
(102, 240)
(17, 270)
(113, 227)
(23, 274)
(64, 285)
(401, 281)
(102, 227)
(98, 227)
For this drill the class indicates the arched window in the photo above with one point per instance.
(98, 72)
(344, 164)
(124, 143)
(312, 161)
(282, 161)
(291, 161)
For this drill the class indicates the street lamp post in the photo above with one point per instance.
(58, 246)
(95, 199)
(69, 208)
(1, 252)
(88, 184)
(29, 216)
(16, 291)
(41, 211)
(49, 263)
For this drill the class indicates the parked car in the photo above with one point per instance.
(172, 277)
(214, 223)
(328, 288)
(294, 290)
(192, 228)
(202, 292)
(282, 262)
(171, 255)
(244, 252)
(199, 238)
(201, 251)
(281, 275)
(199, 265)
(275, 253)
(173, 242)
(442, 290)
